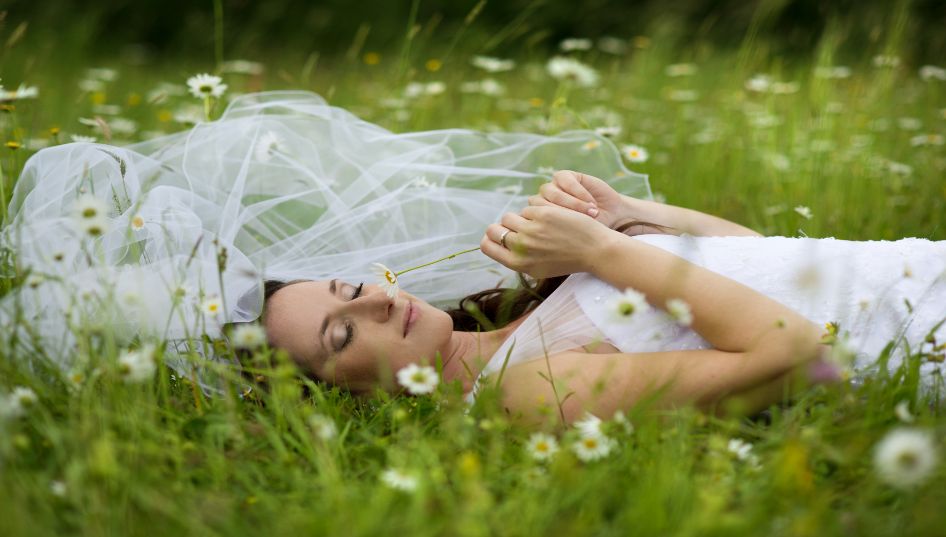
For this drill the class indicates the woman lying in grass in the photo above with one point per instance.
(701, 320)
(171, 239)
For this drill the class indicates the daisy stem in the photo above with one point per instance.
(451, 256)
(207, 107)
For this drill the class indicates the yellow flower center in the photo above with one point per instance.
(390, 277)
(542, 447)
(626, 309)
(138, 222)
(590, 443)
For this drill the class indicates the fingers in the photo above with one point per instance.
(566, 189)
(513, 221)
(499, 254)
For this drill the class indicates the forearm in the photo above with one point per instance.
(679, 220)
(730, 316)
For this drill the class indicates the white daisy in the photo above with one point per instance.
(592, 448)
(34, 281)
(932, 72)
(622, 420)
(899, 168)
(683, 96)
(79, 139)
(212, 306)
(803, 211)
(417, 89)
(137, 365)
(418, 379)
(680, 69)
(387, 279)
(740, 448)
(104, 74)
(399, 480)
(909, 123)
(137, 222)
(249, 336)
(628, 303)
(902, 411)
(22, 92)
(323, 426)
(18, 402)
(634, 153)
(785, 88)
(905, 457)
(563, 68)
(836, 72)
(206, 85)
(492, 65)
(609, 131)
(680, 311)
(575, 43)
(91, 215)
(759, 83)
(91, 86)
(89, 207)
(926, 139)
(541, 446)
(58, 489)
(267, 146)
(612, 45)
(487, 86)
(589, 425)
(591, 145)
(886, 60)
(242, 67)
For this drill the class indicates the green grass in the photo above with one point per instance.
(160, 458)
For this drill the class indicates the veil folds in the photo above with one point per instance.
(282, 186)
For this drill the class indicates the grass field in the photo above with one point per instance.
(856, 137)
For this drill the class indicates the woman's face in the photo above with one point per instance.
(353, 334)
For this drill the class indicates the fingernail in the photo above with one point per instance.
(593, 212)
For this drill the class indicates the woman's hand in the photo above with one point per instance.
(583, 193)
(589, 195)
(546, 241)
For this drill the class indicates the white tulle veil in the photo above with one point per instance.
(282, 186)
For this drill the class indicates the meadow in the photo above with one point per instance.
(837, 142)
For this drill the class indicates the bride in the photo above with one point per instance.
(280, 207)
(737, 340)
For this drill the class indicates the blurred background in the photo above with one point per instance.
(785, 102)
(151, 31)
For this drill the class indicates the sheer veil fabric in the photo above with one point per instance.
(282, 186)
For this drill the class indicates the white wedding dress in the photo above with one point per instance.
(876, 291)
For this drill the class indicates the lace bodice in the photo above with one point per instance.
(877, 291)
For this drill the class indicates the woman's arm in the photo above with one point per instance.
(589, 195)
(755, 338)
(729, 315)
(678, 220)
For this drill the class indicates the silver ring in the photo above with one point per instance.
(502, 238)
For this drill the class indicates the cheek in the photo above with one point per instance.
(374, 359)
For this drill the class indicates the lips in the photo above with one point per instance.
(407, 316)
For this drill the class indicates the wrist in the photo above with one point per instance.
(602, 250)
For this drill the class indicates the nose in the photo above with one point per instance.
(373, 302)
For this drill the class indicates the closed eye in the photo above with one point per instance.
(349, 328)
